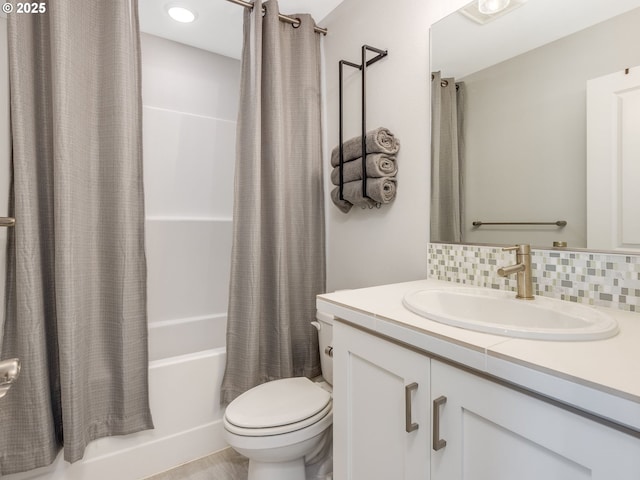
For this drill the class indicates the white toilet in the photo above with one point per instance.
(279, 424)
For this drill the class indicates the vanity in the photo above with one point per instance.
(419, 399)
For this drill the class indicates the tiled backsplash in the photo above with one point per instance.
(604, 279)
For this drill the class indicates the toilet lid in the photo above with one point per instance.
(277, 403)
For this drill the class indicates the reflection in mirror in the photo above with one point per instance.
(510, 143)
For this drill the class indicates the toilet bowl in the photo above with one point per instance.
(280, 424)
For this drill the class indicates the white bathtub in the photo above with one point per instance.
(184, 394)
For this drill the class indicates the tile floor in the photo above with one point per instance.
(224, 465)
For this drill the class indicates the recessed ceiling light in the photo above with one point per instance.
(474, 11)
(181, 14)
(490, 7)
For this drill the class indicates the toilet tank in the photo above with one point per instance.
(324, 324)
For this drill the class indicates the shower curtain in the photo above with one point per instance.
(278, 257)
(447, 155)
(76, 273)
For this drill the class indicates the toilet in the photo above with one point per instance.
(281, 424)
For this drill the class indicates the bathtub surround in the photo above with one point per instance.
(278, 255)
(76, 289)
(189, 150)
(602, 279)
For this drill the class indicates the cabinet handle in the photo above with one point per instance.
(409, 426)
(438, 443)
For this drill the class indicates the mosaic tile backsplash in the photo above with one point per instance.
(603, 279)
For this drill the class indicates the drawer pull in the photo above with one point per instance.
(409, 426)
(438, 443)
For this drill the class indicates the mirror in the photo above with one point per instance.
(522, 113)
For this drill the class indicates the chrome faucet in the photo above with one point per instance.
(522, 269)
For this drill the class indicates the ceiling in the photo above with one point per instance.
(461, 47)
(218, 26)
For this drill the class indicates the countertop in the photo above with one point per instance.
(599, 377)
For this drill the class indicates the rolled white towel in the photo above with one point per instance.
(380, 140)
(378, 165)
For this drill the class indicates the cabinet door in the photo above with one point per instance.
(381, 409)
(495, 433)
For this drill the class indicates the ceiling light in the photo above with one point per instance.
(181, 14)
(490, 7)
(472, 11)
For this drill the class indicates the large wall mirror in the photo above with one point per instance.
(536, 125)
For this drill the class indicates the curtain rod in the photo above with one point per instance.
(284, 18)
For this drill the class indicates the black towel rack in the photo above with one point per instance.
(363, 68)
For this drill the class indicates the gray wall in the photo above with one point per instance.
(526, 152)
(386, 245)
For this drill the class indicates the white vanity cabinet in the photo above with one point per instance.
(381, 409)
(497, 433)
(492, 431)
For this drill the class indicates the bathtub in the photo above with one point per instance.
(184, 392)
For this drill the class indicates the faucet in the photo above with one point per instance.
(523, 270)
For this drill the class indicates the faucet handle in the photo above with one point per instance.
(523, 249)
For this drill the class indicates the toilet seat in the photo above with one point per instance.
(279, 430)
(277, 407)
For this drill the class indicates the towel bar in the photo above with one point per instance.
(558, 223)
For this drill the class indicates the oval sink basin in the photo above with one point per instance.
(500, 313)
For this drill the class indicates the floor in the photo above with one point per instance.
(223, 465)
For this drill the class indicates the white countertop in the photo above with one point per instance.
(600, 377)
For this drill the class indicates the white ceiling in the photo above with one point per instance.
(218, 26)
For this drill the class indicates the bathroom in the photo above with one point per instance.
(189, 216)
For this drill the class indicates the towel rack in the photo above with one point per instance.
(363, 68)
(558, 223)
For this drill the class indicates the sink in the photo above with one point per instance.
(500, 313)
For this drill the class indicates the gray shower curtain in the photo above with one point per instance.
(278, 257)
(76, 274)
(447, 155)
